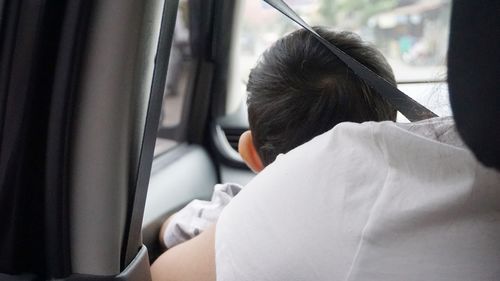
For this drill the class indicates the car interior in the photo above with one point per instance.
(114, 114)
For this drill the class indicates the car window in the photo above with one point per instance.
(176, 84)
(408, 32)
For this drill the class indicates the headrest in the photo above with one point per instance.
(474, 74)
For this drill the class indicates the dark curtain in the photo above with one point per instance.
(22, 142)
(29, 40)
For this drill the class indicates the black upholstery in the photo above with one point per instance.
(473, 76)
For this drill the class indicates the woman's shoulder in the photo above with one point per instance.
(439, 129)
(389, 138)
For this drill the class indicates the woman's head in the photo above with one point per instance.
(299, 90)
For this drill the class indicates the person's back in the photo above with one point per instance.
(362, 202)
(372, 201)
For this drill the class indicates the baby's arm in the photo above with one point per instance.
(163, 229)
(197, 216)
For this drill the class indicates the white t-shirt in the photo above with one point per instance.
(365, 202)
(198, 215)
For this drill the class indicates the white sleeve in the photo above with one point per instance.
(198, 215)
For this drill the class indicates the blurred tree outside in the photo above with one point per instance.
(352, 13)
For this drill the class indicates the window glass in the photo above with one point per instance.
(176, 89)
(412, 34)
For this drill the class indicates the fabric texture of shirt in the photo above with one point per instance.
(198, 215)
(365, 202)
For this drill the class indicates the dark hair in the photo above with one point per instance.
(299, 90)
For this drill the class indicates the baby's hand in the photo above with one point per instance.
(162, 230)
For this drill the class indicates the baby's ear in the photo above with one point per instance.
(249, 153)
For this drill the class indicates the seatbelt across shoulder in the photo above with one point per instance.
(403, 103)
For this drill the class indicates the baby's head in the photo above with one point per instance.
(299, 90)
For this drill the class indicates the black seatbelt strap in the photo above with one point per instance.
(403, 103)
(133, 240)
